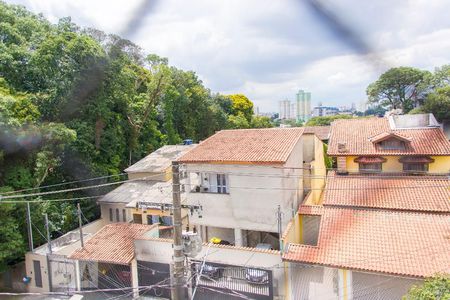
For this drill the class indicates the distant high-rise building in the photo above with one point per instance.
(303, 105)
(285, 109)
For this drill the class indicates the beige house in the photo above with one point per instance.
(242, 177)
(150, 185)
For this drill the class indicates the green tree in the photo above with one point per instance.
(261, 122)
(437, 288)
(438, 104)
(238, 122)
(241, 105)
(398, 88)
(323, 121)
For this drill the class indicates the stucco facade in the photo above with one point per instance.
(441, 164)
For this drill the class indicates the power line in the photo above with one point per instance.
(61, 184)
(77, 188)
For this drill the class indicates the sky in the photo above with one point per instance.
(268, 50)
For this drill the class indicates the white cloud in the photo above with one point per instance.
(270, 49)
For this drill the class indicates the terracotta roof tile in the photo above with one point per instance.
(400, 243)
(270, 145)
(322, 132)
(413, 193)
(315, 210)
(358, 135)
(112, 244)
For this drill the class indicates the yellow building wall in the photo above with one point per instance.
(318, 172)
(441, 164)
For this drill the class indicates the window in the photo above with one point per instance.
(221, 184)
(137, 218)
(370, 167)
(117, 215)
(392, 144)
(415, 167)
(124, 215)
(209, 183)
(110, 214)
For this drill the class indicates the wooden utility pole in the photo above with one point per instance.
(80, 223)
(178, 279)
(29, 228)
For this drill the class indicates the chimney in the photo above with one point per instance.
(342, 165)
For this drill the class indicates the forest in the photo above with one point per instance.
(77, 103)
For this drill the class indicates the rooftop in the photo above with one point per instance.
(160, 192)
(360, 136)
(160, 160)
(128, 191)
(114, 243)
(251, 146)
(397, 243)
(322, 132)
(399, 192)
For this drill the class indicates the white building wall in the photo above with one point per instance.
(315, 282)
(255, 191)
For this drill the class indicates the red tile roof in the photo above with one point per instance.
(314, 210)
(114, 243)
(399, 243)
(414, 193)
(270, 145)
(358, 135)
(322, 132)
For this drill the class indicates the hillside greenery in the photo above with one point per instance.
(79, 103)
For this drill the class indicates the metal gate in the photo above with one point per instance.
(219, 281)
(156, 277)
(62, 273)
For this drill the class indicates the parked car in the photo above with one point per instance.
(258, 276)
(210, 272)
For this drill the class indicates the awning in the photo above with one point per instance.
(416, 159)
(370, 159)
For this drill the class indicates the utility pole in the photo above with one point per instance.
(178, 279)
(49, 241)
(80, 223)
(280, 228)
(29, 228)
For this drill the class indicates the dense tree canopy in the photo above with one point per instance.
(437, 288)
(78, 103)
(322, 121)
(398, 88)
(406, 88)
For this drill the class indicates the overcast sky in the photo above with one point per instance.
(268, 50)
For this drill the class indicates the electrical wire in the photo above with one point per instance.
(61, 184)
(77, 188)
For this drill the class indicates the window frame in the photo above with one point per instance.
(424, 167)
(363, 169)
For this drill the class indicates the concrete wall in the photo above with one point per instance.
(318, 172)
(308, 147)
(316, 282)
(441, 164)
(104, 209)
(255, 191)
(380, 287)
(312, 283)
(62, 246)
(160, 176)
(30, 272)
